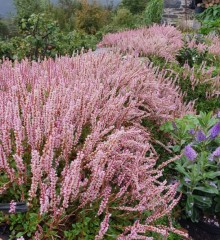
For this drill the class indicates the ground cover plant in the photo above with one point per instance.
(71, 142)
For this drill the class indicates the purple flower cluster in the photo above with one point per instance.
(215, 130)
(192, 131)
(216, 153)
(190, 153)
(200, 136)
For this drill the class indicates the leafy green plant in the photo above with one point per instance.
(210, 20)
(29, 226)
(198, 170)
(210, 14)
(191, 56)
(86, 227)
(38, 31)
(210, 26)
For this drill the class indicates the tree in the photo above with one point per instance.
(4, 31)
(135, 6)
(123, 18)
(65, 12)
(25, 8)
(91, 17)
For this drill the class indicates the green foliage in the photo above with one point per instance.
(164, 221)
(41, 37)
(153, 12)
(210, 20)
(210, 26)
(199, 92)
(65, 13)
(86, 227)
(25, 8)
(38, 32)
(29, 224)
(210, 14)
(4, 31)
(135, 6)
(199, 178)
(191, 56)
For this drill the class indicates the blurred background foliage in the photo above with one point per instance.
(41, 29)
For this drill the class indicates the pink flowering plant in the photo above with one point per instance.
(197, 138)
(72, 147)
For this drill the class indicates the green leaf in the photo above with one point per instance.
(210, 189)
(181, 169)
(212, 175)
(20, 234)
(206, 201)
(176, 148)
(167, 127)
(190, 202)
(23, 25)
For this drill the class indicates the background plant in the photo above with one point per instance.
(153, 12)
(41, 37)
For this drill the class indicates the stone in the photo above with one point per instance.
(177, 11)
(172, 3)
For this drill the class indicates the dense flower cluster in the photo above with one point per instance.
(201, 43)
(203, 75)
(190, 153)
(192, 42)
(75, 124)
(214, 48)
(163, 41)
(215, 130)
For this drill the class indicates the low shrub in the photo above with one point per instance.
(162, 41)
(73, 148)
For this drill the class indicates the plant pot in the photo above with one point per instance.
(201, 230)
(199, 10)
(4, 231)
(192, 5)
